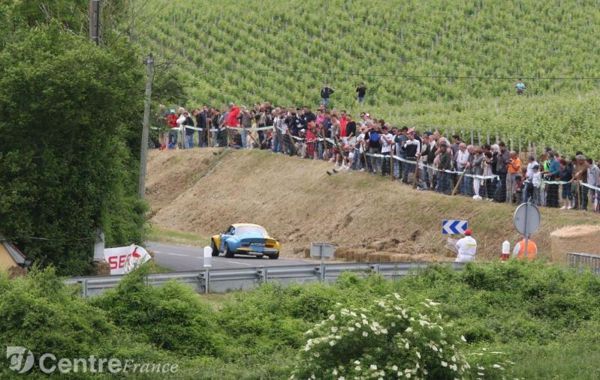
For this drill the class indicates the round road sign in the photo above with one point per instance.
(527, 219)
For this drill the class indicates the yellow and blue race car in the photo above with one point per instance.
(247, 239)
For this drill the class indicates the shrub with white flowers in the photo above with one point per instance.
(386, 340)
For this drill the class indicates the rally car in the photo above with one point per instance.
(246, 239)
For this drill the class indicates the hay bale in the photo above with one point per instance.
(401, 258)
(381, 245)
(359, 256)
(342, 253)
(378, 257)
(580, 239)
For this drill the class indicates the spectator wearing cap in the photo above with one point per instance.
(467, 248)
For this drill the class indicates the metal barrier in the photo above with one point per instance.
(584, 261)
(224, 280)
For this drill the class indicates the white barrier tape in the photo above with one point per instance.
(421, 165)
(252, 128)
(555, 182)
(590, 186)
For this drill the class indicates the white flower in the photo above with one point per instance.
(357, 362)
(351, 329)
(498, 366)
(365, 334)
(334, 329)
(332, 317)
(394, 367)
(341, 378)
(444, 364)
(463, 338)
(407, 345)
(332, 343)
(373, 367)
(334, 372)
(316, 354)
(384, 331)
(408, 329)
(357, 368)
(407, 374)
(418, 354)
(358, 325)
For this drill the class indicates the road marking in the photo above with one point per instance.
(177, 254)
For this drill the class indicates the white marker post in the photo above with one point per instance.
(207, 262)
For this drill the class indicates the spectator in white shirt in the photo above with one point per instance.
(386, 139)
(532, 162)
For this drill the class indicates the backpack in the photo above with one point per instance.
(374, 137)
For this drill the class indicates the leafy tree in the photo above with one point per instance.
(67, 119)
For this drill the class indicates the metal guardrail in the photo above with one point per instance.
(224, 280)
(584, 261)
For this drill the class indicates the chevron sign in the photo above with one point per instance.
(452, 227)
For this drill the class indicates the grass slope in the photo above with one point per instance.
(299, 203)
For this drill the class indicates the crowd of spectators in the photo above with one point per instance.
(428, 160)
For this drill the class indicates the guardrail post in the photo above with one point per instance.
(84, 288)
(375, 268)
(204, 278)
(322, 270)
(262, 274)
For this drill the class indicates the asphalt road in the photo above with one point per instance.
(185, 258)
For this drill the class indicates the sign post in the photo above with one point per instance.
(207, 259)
(527, 220)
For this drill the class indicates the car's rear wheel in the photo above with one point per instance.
(215, 250)
(274, 257)
(228, 252)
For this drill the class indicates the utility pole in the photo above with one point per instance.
(149, 62)
(94, 21)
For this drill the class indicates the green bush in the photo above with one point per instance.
(387, 339)
(171, 317)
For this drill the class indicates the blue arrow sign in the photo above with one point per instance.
(454, 227)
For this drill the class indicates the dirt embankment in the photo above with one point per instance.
(205, 190)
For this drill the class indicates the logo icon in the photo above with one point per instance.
(21, 359)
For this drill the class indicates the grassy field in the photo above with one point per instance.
(425, 63)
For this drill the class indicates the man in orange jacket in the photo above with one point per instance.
(513, 170)
(519, 250)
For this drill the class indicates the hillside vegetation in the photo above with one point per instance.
(536, 321)
(425, 63)
(205, 190)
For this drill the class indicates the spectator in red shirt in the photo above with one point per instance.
(172, 123)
